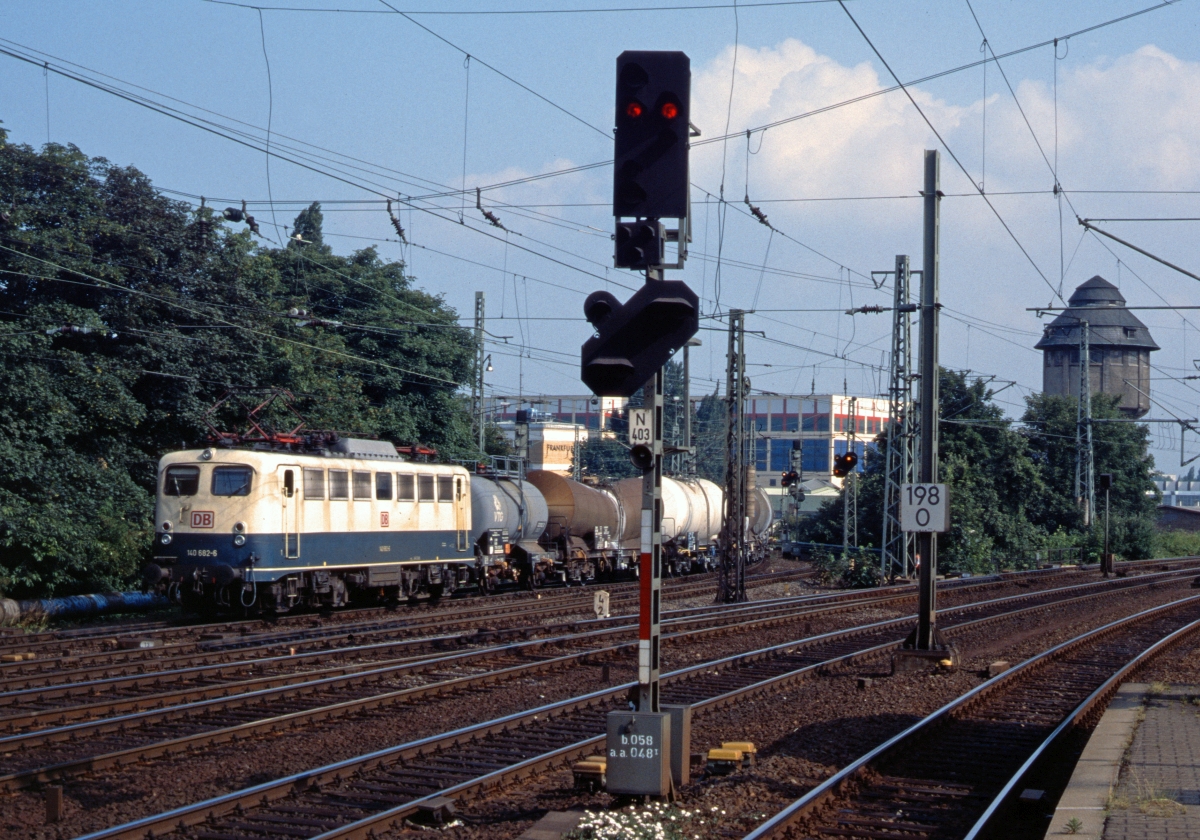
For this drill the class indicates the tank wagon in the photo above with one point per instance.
(271, 529)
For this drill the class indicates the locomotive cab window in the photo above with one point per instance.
(181, 481)
(339, 484)
(406, 487)
(362, 485)
(383, 485)
(425, 488)
(314, 484)
(231, 481)
(445, 488)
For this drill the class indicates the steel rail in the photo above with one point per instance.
(201, 665)
(263, 795)
(25, 778)
(15, 638)
(369, 828)
(1091, 708)
(162, 713)
(140, 672)
(845, 779)
(122, 662)
(810, 606)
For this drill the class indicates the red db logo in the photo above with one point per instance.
(383, 519)
(202, 519)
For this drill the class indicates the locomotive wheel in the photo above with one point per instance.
(435, 592)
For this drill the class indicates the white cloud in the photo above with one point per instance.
(870, 146)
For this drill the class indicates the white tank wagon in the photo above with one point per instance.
(693, 509)
(509, 516)
(276, 528)
(760, 516)
(583, 528)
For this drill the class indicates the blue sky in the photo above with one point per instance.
(377, 87)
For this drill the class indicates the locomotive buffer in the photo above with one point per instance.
(645, 753)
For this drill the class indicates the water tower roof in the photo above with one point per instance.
(1097, 292)
(1110, 324)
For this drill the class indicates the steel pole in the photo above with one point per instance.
(926, 543)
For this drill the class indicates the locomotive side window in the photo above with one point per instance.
(362, 485)
(445, 488)
(181, 481)
(314, 484)
(231, 481)
(289, 483)
(383, 485)
(406, 487)
(339, 484)
(425, 488)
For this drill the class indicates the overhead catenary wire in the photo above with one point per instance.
(949, 151)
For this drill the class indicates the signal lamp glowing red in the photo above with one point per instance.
(633, 110)
(670, 110)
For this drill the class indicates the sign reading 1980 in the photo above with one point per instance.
(924, 508)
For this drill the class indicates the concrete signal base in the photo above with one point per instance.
(906, 660)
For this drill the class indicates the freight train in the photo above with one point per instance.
(244, 530)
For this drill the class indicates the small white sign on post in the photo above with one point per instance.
(924, 508)
(641, 426)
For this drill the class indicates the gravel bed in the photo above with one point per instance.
(813, 728)
(856, 718)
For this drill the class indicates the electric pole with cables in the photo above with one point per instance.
(732, 575)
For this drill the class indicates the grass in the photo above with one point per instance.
(1146, 796)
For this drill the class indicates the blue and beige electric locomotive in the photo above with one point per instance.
(276, 529)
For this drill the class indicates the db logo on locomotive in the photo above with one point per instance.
(202, 519)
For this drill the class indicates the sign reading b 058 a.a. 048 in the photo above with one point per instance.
(924, 507)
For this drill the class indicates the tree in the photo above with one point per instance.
(1120, 448)
(1011, 490)
(128, 314)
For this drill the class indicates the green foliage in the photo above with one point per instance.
(857, 570)
(1011, 490)
(180, 307)
(710, 428)
(1176, 543)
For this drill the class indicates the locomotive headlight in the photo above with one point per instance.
(166, 526)
(165, 539)
(239, 540)
(206, 455)
(239, 528)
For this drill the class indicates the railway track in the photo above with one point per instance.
(306, 630)
(955, 774)
(313, 644)
(73, 643)
(358, 797)
(23, 709)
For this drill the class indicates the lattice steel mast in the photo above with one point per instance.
(898, 548)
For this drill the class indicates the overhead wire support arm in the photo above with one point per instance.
(1087, 224)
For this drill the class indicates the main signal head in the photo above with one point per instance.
(651, 151)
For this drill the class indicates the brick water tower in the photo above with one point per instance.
(1119, 347)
